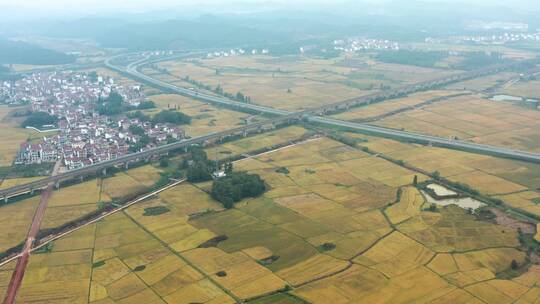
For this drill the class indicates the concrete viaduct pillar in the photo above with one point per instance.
(104, 171)
(126, 165)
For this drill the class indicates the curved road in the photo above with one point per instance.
(380, 131)
(284, 116)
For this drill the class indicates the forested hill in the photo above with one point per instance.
(24, 53)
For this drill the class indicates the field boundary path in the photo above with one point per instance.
(49, 239)
(20, 268)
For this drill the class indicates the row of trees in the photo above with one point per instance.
(218, 90)
(412, 57)
(238, 97)
(165, 116)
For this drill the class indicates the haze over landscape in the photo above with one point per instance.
(270, 151)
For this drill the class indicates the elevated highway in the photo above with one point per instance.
(282, 116)
(143, 155)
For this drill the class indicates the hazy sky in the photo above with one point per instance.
(85, 7)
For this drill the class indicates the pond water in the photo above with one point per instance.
(465, 202)
(441, 190)
(506, 98)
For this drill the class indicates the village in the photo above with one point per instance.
(81, 135)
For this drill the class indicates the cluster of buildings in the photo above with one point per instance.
(84, 136)
(351, 45)
(237, 52)
(498, 25)
(490, 39)
(89, 140)
(64, 88)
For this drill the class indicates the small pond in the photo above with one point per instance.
(464, 202)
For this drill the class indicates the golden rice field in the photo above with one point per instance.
(330, 227)
(378, 109)
(512, 181)
(19, 216)
(253, 143)
(12, 182)
(295, 82)
(483, 83)
(12, 135)
(473, 118)
(205, 118)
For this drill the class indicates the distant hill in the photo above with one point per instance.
(170, 34)
(24, 53)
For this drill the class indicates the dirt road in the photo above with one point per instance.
(20, 268)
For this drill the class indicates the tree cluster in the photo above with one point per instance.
(476, 60)
(412, 57)
(137, 130)
(199, 167)
(39, 119)
(25, 53)
(237, 186)
(112, 105)
(145, 105)
(170, 116)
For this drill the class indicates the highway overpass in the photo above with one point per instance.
(281, 116)
(133, 157)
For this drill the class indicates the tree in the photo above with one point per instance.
(164, 162)
(39, 119)
(415, 180)
(240, 97)
(93, 76)
(436, 175)
(136, 130)
(199, 172)
(218, 89)
(514, 265)
(228, 168)
(138, 115)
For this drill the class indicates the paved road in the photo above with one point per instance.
(380, 131)
(20, 268)
(428, 139)
(281, 116)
